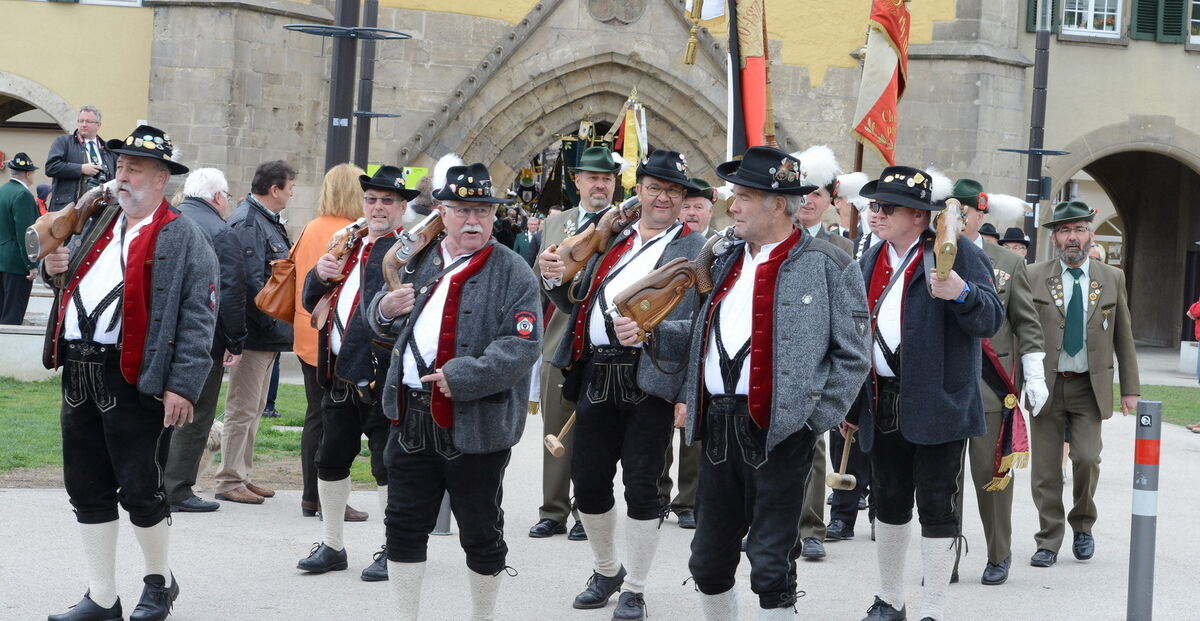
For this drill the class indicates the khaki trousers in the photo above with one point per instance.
(249, 381)
(556, 471)
(1073, 404)
(995, 508)
(812, 521)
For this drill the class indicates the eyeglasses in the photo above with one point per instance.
(467, 212)
(653, 191)
(887, 208)
(87, 122)
(386, 201)
(227, 195)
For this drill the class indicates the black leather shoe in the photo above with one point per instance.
(883, 611)
(547, 527)
(577, 533)
(599, 589)
(377, 571)
(812, 549)
(1084, 547)
(687, 518)
(862, 503)
(838, 530)
(1043, 558)
(157, 599)
(829, 499)
(87, 610)
(194, 504)
(270, 413)
(323, 558)
(996, 573)
(630, 607)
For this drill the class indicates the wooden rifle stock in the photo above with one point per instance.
(949, 223)
(339, 246)
(576, 250)
(409, 243)
(649, 300)
(52, 229)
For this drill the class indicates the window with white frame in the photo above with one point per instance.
(1194, 23)
(1092, 17)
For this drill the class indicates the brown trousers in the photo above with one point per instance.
(1072, 404)
(812, 521)
(995, 508)
(556, 471)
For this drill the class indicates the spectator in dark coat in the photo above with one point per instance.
(79, 160)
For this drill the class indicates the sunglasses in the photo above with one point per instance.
(386, 201)
(887, 208)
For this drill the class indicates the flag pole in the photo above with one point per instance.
(769, 118)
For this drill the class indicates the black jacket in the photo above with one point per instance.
(64, 163)
(262, 239)
(231, 314)
(355, 362)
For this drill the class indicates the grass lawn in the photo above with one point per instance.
(1181, 404)
(30, 436)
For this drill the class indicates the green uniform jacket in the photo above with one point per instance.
(554, 231)
(1108, 327)
(17, 211)
(1021, 332)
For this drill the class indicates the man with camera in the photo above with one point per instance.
(79, 160)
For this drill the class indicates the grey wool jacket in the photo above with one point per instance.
(489, 375)
(668, 342)
(819, 335)
(182, 313)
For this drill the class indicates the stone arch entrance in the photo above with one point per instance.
(1152, 178)
(19, 94)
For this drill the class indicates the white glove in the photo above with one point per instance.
(1035, 381)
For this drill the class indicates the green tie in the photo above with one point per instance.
(92, 152)
(1073, 334)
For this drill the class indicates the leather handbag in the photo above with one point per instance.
(278, 296)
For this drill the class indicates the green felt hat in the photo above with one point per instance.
(969, 192)
(597, 159)
(1070, 211)
(702, 189)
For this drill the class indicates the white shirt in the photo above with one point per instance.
(1079, 362)
(814, 230)
(887, 321)
(100, 279)
(428, 324)
(345, 303)
(23, 184)
(87, 152)
(978, 241)
(630, 268)
(733, 314)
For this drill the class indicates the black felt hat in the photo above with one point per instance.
(470, 184)
(904, 186)
(1014, 235)
(767, 169)
(988, 230)
(668, 166)
(20, 161)
(389, 178)
(151, 142)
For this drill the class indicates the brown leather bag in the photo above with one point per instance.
(278, 296)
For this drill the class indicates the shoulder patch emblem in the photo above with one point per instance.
(525, 323)
(212, 297)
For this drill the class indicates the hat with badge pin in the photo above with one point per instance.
(389, 178)
(668, 166)
(970, 192)
(151, 142)
(469, 184)
(21, 162)
(904, 186)
(767, 169)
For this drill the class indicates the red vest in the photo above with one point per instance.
(441, 407)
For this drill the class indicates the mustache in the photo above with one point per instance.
(472, 228)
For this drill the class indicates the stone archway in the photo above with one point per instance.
(1150, 168)
(25, 90)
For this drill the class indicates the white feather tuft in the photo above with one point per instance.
(1005, 209)
(725, 192)
(819, 164)
(943, 187)
(850, 184)
(620, 160)
(444, 164)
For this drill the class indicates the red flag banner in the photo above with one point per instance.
(883, 79)
(753, 66)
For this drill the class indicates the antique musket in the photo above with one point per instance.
(54, 228)
(340, 246)
(948, 224)
(576, 250)
(409, 243)
(649, 300)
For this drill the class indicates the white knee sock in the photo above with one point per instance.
(334, 495)
(891, 546)
(100, 549)
(937, 561)
(155, 544)
(381, 493)
(777, 614)
(405, 579)
(641, 541)
(720, 607)
(601, 529)
(484, 589)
